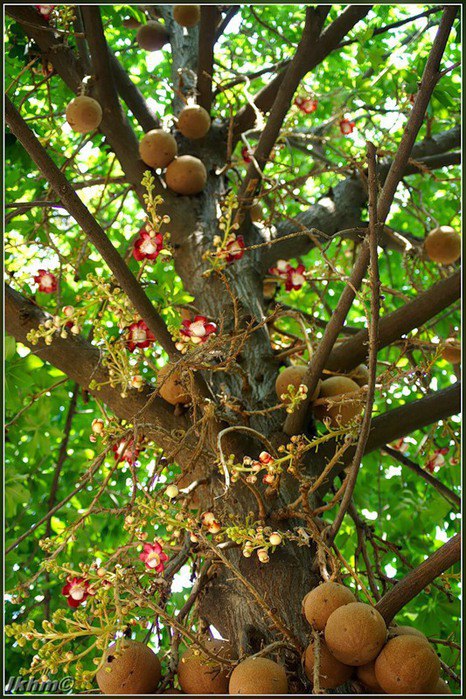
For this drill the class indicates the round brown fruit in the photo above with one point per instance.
(405, 631)
(157, 148)
(360, 375)
(452, 351)
(131, 23)
(258, 676)
(171, 387)
(366, 673)
(322, 601)
(199, 674)
(130, 667)
(84, 114)
(441, 688)
(187, 15)
(407, 665)
(443, 245)
(186, 175)
(341, 412)
(291, 375)
(152, 36)
(193, 122)
(332, 673)
(355, 633)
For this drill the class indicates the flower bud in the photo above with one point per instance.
(171, 491)
(275, 539)
(263, 555)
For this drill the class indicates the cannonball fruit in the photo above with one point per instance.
(130, 667)
(452, 351)
(355, 633)
(407, 665)
(171, 387)
(405, 631)
(443, 245)
(131, 23)
(186, 175)
(152, 36)
(342, 412)
(258, 676)
(157, 148)
(199, 674)
(193, 122)
(322, 601)
(187, 15)
(332, 673)
(440, 688)
(366, 673)
(360, 375)
(84, 114)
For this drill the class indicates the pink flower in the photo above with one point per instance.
(265, 457)
(346, 126)
(437, 460)
(307, 105)
(295, 278)
(281, 269)
(234, 249)
(46, 280)
(198, 330)
(139, 335)
(154, 557)
(76, 590)
(400, 445)
(147, 246)
(128, 453)
(246, 154)
(45, 10)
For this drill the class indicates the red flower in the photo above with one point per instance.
(281, 269)
(147, 246)
(265, 457)
(346, 126)
(295, 278)
(76, 590)
(154, 557)
(139, 335)
(45, 10)
(46, 280)
(127, 453)
(307, 105)
(247, 154)
(437, 460)
(198, 330)
(234, 249)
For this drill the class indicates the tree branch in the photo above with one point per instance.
(132, 96)
(205, 66)
(414, 416)
(328, 42)
(444, 491)
(91, 228)
(81, 362)
(416, 580)
(393, 326)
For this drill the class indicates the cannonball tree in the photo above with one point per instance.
(160, 489)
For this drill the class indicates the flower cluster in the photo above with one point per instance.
(252, 538)
(294, 396)
(148, 244)
(46, 281)
(253, 467)
(76, 591)
(125, 450)
(196, 332)
(307, 104)
(154, 557)
(346, 126)
(292, 276)
(139, 336)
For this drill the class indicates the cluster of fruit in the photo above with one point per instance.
(353, 638)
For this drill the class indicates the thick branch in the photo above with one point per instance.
(132, 97)
(405, 590)
(414, 416)
(328, 41)
(393, 326)
(81, 362)
(91, 228)
(205, 66)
